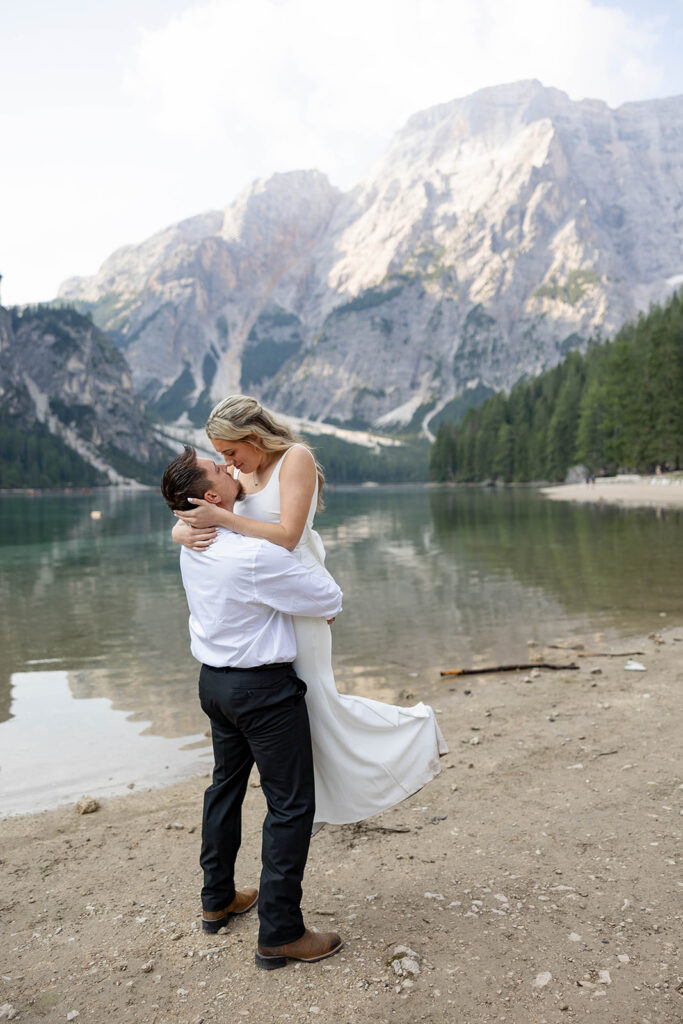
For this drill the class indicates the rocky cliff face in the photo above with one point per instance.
(498, 232)
(58, 369)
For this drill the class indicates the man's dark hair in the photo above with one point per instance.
(184, 478)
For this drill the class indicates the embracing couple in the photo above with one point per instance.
(260, 603)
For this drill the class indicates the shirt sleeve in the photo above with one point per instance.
(283, 583)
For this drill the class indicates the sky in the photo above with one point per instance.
(119, 118)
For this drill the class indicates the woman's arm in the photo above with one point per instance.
(195, 539)
(297, 483)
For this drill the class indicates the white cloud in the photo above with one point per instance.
(275, 85)
(113, 133)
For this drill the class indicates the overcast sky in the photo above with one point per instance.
(118, 118)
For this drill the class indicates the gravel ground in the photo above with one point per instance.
(535, 880)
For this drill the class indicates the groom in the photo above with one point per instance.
(241, 593)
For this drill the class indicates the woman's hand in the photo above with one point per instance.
(200, 517)
(195, 540)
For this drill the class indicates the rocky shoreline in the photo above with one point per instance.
(533, 881)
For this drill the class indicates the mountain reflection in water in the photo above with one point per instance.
(432, 578)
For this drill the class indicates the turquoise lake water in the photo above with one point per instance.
(97, 685)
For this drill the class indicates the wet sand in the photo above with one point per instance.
(535, 880)
(645, 491)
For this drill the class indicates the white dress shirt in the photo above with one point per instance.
(241, 593)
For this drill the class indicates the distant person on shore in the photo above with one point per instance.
(241, 595)
(367, 755)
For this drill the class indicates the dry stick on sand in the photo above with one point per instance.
(593, 654)
(502, 668)
(609, 654)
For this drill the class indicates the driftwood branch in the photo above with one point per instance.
(591, 654)
(502, 668)
(609, 654)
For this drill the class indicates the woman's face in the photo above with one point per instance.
(241, 454)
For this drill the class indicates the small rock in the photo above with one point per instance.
(535, 673)
(574, 937)
(72, 1014)
(404, 962)
(596, 671)
(406, 966)
(433, 896)
(604, 978)
(175, 936)
(131, 785)
(148, 967)
(7, 1012)
(543, 979)
(634, 666)
(475, 740)
(87, 805)
(623, 958)
(181, 992)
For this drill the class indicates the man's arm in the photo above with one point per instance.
(283, 583)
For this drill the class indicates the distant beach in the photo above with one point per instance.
(664, 491)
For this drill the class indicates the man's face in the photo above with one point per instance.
(221, 481)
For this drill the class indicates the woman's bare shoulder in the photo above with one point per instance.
(298, 458)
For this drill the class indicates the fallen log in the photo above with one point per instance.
(502, 668)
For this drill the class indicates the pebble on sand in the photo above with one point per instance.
(87, 805)
(543, 979)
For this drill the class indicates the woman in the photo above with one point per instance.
(368, 755)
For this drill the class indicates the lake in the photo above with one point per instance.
(97, 685)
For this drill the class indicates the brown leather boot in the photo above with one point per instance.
(310, 947)
(244, 900)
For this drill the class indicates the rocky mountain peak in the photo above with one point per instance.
(497, 232)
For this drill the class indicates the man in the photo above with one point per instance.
(241, 593)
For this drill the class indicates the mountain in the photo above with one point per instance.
(68, 413)
(497, 233)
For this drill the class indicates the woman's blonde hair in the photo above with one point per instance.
(239, 417)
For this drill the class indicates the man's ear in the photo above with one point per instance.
(212, 497)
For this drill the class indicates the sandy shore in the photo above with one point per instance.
(652, 491)
(535, 880)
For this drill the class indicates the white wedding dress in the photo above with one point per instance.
(367, 755)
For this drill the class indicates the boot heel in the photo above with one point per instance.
(213, 926)
(269, 963)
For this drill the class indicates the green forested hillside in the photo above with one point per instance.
(36, 458)
(347, 463)
(618, 407)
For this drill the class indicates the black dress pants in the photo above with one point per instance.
(259, 715)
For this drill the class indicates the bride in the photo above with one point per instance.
(367, 755)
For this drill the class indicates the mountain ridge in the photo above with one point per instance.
(496, 233)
